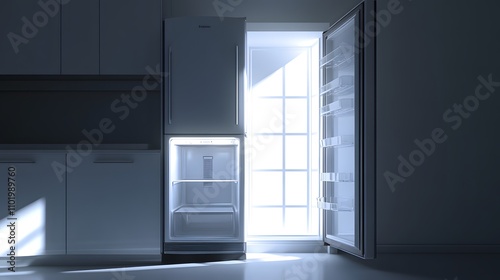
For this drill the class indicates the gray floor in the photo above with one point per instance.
(288, 266)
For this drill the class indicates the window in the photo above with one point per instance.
(282, 143)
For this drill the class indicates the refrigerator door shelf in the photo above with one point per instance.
(343, 90)
(336, 203)
(342, 54)
(338, 141)
(339, 86)
(337, 177)
(338, 107)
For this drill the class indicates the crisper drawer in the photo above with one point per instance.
(204, 222)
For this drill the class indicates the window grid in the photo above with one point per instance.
(284, 133)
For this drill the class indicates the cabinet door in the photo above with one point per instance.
(80, 37)
(130, 36)
(114, 204)
(30, 41)
(36, 208)
(205, 59)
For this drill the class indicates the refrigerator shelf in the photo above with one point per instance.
(337, 177)
(336, 204)
(337, 91)
(338, 107)
(338, 141)
(338, 56)
(338, 86)
(204, 181)
(341, 62)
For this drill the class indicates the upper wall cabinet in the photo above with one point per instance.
(30, 37)
(80, 37)
(130, 36)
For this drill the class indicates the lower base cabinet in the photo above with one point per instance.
(113, 204)
(32, 205)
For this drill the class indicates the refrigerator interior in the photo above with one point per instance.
(339, 136)
(204, 188)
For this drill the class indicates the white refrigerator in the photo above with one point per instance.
(204, 59)
(347, 97)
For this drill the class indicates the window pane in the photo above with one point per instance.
(267, 188)
(296, 220)
(271, 85)
(267, 116)
(296, 76)
(296, 115)
(266, 221)
(296, 152)
(266, 151)
(296, 188)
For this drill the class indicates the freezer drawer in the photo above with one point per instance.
(205, 222)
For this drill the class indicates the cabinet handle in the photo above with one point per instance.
(113, 161)
(169, 96)
(237, 86)
(17, 161)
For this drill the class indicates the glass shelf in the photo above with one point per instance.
(338, 107)
(204, 181)
(336, 203)
(205, 209)
(339, 56)
(338, 141)
(341, 85)
(337, 177)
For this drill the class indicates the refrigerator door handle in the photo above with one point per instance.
(237, 85)
(169, 96)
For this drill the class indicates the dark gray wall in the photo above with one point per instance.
(429, 58)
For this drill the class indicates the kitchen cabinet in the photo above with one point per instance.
(30, 42)
(130, 36)
(80, 37)
(39, 216)
(113, 204)
(205, 59)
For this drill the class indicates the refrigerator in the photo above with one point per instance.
(204, 59)
(347, 137)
